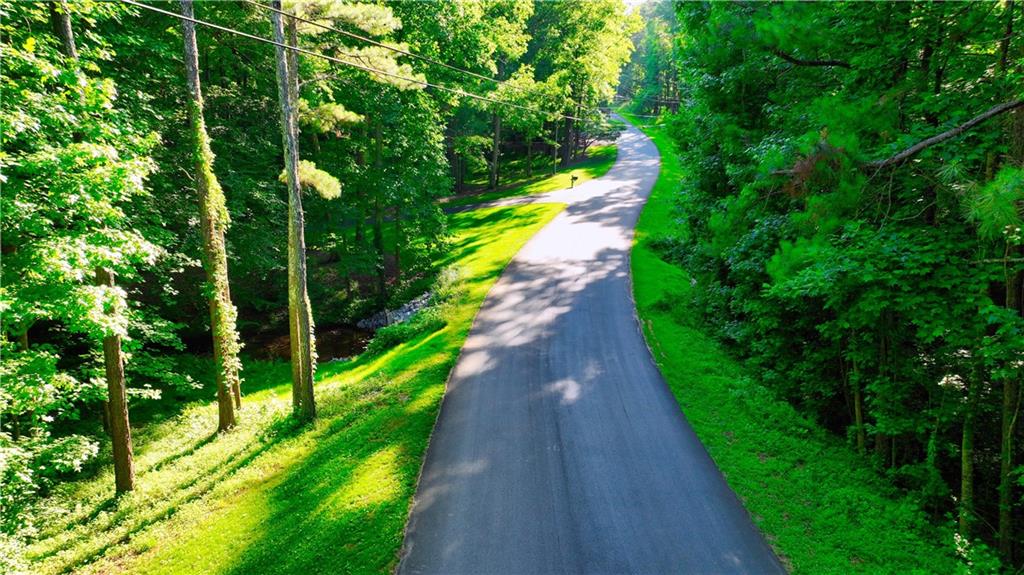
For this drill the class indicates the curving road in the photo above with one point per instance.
(559, 448)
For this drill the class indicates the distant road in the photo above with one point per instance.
(559, 448)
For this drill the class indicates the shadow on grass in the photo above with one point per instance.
(355, 484)
(118, 519)
(275, 496)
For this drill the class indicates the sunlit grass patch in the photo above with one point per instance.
(600, 159)
(275, 497)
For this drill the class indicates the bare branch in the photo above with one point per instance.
(799, 62)
(1000, 261)
(923, 144)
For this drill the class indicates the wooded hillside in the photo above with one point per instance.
(851, 207)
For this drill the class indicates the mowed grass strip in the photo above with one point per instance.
(822, 507)
(600, 159)
(274, 497)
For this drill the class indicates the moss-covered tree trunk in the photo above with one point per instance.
(378, 217)
(213, 218)
(399, 242)
(300, 317)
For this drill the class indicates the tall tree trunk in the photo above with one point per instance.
(116, 405)
(213, 218)
(60, 20)
(1011, 386)
(495, 151)
(554, 150)
(300, 316)
(360, 234)
(378, 216)
(399, 242)
(117, 402)
(529, 156)
(1004, 43)
(858, 410)
(460, 175)
(966, 511)
(567, 141)
(577, 134)
(1011, 392)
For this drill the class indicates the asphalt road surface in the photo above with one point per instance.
(559, 448)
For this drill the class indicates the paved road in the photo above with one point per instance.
(559, 448)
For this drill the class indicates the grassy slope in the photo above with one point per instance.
(599, 160)
(270, 497)
(821, 506)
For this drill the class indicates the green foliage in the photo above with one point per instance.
(97, 165)
(422, 322)
(273, 496)
(327, 117)
(310, 176)
(876, 301)
(821, 506)
(598, 161)
(996, 206)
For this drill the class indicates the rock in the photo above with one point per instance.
(388, 317)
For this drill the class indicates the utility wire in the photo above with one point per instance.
(300, 50)
(374, 42)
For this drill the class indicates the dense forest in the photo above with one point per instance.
(850, 208)
(185, 187)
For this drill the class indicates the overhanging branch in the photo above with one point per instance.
(917, 148)
(801, 62)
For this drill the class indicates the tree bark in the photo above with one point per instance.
(966, 511)
(117, 402)
(1011, 386)
(399, 242)
(566, 151)
(61, 22)
(378, 217)
(529, 156)
(858, 414)
(554, 149)
(495, 151)
(300, 317)
(577, 133)
(1004, 43)
(1006, 459)
(858, 410)
(116, 405)
(214, 220)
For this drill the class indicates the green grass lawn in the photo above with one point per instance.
(273, 497)
(599, 160)
(821, 505)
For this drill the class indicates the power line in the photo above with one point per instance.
(300, 50)
(374, 42)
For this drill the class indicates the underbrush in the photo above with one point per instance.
(823, 507)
